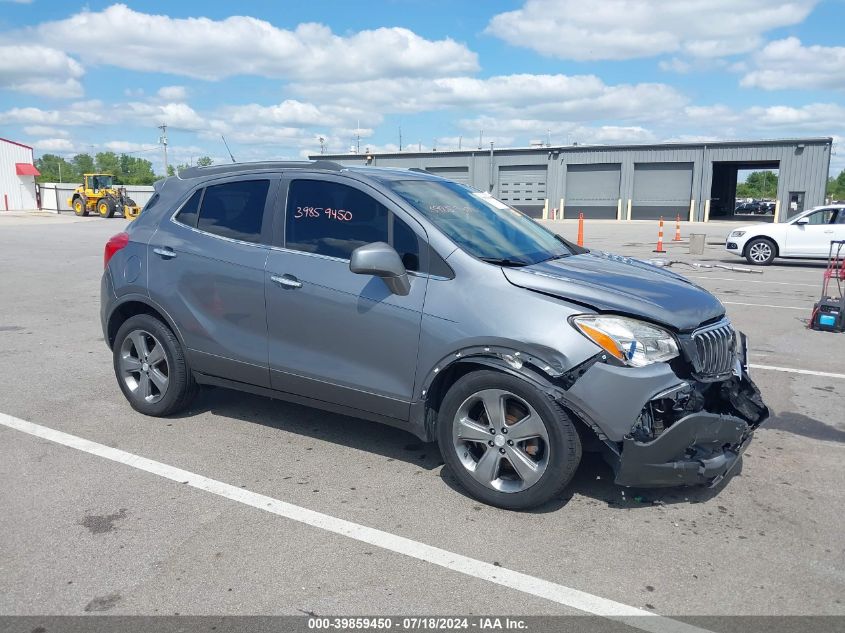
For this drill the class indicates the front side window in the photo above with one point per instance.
(481, 225)
(823, 216)
(328, 218)
(234, 209)
(840, 216)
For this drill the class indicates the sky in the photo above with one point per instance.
(276, 77)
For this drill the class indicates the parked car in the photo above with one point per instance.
(748, 208)
(807, 236)
(408, 299)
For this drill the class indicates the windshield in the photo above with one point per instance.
(101, 182)
(480, 224)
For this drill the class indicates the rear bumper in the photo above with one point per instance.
(700, 448)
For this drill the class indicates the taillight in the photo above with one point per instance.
(115, 243)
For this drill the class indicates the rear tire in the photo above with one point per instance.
(526, 474)
(151, 368)
(79, 207)
(760, 251)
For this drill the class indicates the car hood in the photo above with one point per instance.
(610, 283)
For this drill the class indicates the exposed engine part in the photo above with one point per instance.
(660, 412)
(733, 397)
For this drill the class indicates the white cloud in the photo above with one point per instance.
(788, 64)
(45, 130)
(53, 145)
(288, 112)
(41, 71)
(127, 147)
(178, 116)
(37, 116)
(242, 45)
(577, 97)
(627, 29)
(172, 93)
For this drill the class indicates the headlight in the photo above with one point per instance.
(633, 342)
(737, 233)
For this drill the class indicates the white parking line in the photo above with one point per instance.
(790, 370)
(580, 600)
(767, 305)
(745, 280)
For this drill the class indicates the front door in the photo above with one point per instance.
(208, 263)
(337, 336)
(813, 238)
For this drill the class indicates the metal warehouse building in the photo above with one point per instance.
(633, 182)
(17, 176)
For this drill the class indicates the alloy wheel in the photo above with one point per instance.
(501, 440)
(760, 252)
(143, 366)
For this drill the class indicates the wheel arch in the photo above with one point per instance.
(772, 240)
(134, 305)
(544, 376)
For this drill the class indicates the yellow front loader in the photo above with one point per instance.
(98, 193)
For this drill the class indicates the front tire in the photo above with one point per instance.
(508, 444)
(105, 208)
(760, 251)
(151, 368)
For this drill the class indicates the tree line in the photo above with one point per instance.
(836, 187)
(764, 184)
(127, 170)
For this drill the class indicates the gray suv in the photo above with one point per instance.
(404, 298)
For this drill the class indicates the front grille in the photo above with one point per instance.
(715, 347)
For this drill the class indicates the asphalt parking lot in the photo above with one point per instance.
(80, 533)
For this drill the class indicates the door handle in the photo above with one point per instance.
(829, 231)
(167, 253)
(286, 281)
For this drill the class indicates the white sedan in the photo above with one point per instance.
(806, 236)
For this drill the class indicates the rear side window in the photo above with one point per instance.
(331, 219)
(234, 209)
(190, 210)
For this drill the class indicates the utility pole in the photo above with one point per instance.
(480, 137)
(322, 145)
(400, 138)
(163, 140)
(460, 138)
(358, 138)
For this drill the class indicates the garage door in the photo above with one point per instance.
(523, 187)
(458, 174)
(661, 189)
(592, 190)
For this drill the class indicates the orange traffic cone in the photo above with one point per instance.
(659, 248)
(677, 228)
(581, 229)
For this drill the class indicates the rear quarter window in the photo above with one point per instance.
(234, 209)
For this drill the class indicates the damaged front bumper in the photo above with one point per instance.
(701, 448)
(687, 432)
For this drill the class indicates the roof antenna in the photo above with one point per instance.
(227, 149)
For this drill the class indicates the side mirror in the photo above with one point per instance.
(802, 221)
(381, 260)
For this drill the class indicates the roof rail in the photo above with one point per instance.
(227, 168)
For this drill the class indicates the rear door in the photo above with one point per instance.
(812, 239)
(337, 336)
(207, 270)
